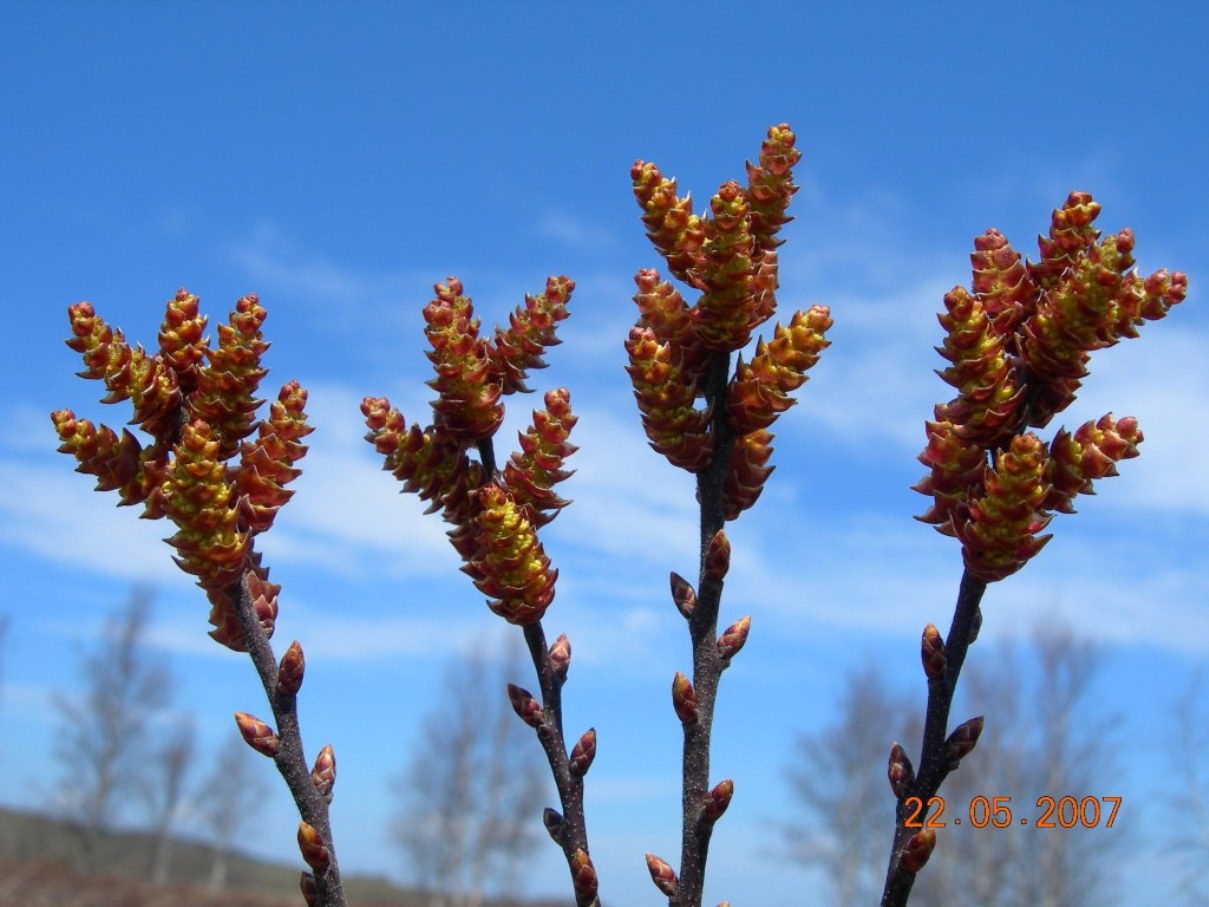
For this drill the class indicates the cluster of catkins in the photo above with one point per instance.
(495, 517)
(203, 470)
(730, 257)
(1018, 347)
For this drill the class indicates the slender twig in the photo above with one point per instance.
(290, 760)
(573, 834)
(934, 760)
(707, 663)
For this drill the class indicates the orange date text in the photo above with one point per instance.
(996, 812)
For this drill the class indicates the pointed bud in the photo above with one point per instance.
(962, 740)
(717, 800)
(553, 821)
(900, 772)
(560, 656)
(662, 875)
(917, 850)
(323, 775)
(583, 753)
(717, 557)
(583, 876)
(314, 851)
(684, 699)
(932, 652)
(310, 891)
(733, 638)
(683, 595)
(289, 674)
(528, 708)
(257, 734)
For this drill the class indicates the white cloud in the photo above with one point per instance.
(573, 231)
(53, 512)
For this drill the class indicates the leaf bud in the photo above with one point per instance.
(583, 753)
(310, 891)
(257, 734)
(583, 876)
(733, 638)
(683, 595)
(314, 851)
(291, 670)
(962, 740)
(553, 821)
(525, 706)
(932, 653)
(323, 775)
(917, 850)
(899, 771)
(717, 557)
(662, 875)
(717, 800)
(560, 656)
(684, 699)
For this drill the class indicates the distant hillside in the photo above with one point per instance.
(37, 853)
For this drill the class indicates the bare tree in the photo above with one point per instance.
(229, 799)
(838, 775)
(104, 737)
(1041, 740)
(166, 792)
(473, 789)
(1186, 794)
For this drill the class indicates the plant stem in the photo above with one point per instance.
(933, 764)
(707, 664)
(574, 833)
(290, 760)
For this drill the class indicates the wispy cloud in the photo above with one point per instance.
(566, 228)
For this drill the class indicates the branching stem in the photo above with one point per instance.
(290, 760)
(707, 663)
(933, 763)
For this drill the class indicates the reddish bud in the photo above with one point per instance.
(733, 638)
(662, 875)
(310, 891)
(560, 656)
(525, 706)
(684, 699)
(899, 771)
(553, 821)
(932, 652)
(257, 734)
(314, 851)
(323, 775)
(583, 753)
(962, 740)
(583, 876)
(717, 800)
(917, 850)
(683, 595)
(717, 557)
(291, 671)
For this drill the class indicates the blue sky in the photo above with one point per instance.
(339, 162)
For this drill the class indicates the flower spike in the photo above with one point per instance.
(1018, 344)
(530, 330)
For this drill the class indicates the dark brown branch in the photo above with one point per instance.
(574, 833)
(290, 759)
(933, 763)
(707, 664)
